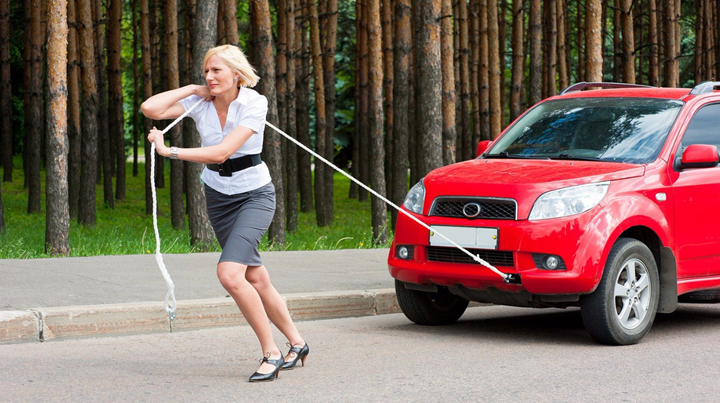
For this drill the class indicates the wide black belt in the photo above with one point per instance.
(235, 164)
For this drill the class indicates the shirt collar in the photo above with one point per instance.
(242, 97)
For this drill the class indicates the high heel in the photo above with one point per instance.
(270, 376)
(301, 354)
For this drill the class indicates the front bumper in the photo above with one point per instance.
(579, 240)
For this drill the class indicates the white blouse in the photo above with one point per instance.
(248, 110)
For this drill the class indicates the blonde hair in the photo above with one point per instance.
(238, 63)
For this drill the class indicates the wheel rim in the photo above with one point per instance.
(632, 293)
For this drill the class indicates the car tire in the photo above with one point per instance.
(623, 307)
(430, 308)
(701, 297)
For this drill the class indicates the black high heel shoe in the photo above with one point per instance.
(270, 376)
(301, 354)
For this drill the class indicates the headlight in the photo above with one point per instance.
(568, 201)
(415, 198)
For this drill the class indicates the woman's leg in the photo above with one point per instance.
(232, 277)
(274, 304)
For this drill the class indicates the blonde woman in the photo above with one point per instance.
(238, 189)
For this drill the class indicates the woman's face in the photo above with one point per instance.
(218, 75)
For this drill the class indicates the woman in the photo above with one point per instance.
(238, 189)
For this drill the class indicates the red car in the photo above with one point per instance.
(607, 199)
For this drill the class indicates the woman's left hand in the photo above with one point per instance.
(156, 136)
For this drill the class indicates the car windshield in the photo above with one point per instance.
(629, 130)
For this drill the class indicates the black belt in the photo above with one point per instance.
(235, 164)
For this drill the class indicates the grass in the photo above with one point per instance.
(127, 230)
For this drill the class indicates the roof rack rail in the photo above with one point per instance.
(582, 85)
(706, 87)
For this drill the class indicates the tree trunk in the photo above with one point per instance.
(593, 41)
(671, 78)
(388, 78)
(115, 94)
(159, 79)
(147, 73)
(402, 42)
(57, 218)
(363, 134)
(105, 139)
(483, 80)
(429, 74)
(321, 209)
(628, 42)
(6, 111)
(177, 210)
(563, 80)
(653, 68)
(709, 41)
(474, 40)
(466, 129)
(302, 110)
(291, 167)
(136, 89)
(272, 149)
(88, 177)
(378, 209)
(580, 27)
(448, 84)
(33, 107)
(230, 21)
(354, 192)
(535, 52)
(551, 41)
(617, 40)
(494, 70)
(518, 59)
(74, 126)
(328, 62)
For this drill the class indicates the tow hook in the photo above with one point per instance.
(512, 278)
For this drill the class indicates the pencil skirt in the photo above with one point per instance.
(240, 221)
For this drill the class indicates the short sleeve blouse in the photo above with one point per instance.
(248, 110)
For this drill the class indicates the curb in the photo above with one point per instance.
(58, 323)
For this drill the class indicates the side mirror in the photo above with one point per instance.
(699, 156)
(482, 147)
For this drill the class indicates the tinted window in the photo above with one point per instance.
(630, 130)
(704, 128)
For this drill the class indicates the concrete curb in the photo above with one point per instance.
(43, 324)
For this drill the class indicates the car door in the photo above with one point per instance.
(697, 200)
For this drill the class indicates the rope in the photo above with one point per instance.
(476, 258)
(170, 296)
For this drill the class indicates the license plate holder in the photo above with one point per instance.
(467, 237)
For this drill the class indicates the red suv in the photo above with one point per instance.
(607, 199)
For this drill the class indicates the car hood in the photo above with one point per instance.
(522, 180)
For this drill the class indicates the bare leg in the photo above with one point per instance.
(232, 277)
(274, 304)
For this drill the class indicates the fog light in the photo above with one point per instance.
(403, 252)
(552, 262)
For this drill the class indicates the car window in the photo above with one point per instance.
(704, 128)
(630, 130)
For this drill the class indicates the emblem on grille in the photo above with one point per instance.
(471, 210)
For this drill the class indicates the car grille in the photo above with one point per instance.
(455, 255)
(493, 209)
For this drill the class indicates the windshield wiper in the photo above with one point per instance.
(505, 154)
(565, 156)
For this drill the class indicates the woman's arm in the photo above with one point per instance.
(206, 155)
(165, 105)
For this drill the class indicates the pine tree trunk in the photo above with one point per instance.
(653, 68)
(593, 39)
(328, 62)
(177, 210)
(321, 209)
(377, 178)
(551, 41)
(388, 78)
(291, 167)
(272, 149)
(147, 72)
(430, 75)
(402, 42)
(57, 218)
(33, 108)
(363, 137)
(88, 177)
(136, 88)
(230, 21)
(580, 29)
(105, 139)
(563, 81)
(6, 111)
(115, 89)
(354, 192)
(483, 80)
(518, 59)
(203, 38)
(474, 40)
(671, 63)
(302, 65)
(535, 52)
(628, 42)
(466, 129)
(617, 40)
(448, 83)
(494, 70)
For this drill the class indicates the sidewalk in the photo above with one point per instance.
(44, 299)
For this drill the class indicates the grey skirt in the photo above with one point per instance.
(240, 221)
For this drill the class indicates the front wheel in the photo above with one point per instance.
(623, 307)
(430, 308)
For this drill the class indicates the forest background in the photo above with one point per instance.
(388, 90)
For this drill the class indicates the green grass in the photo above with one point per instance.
(127, 230)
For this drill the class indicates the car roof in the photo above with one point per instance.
(643, 92)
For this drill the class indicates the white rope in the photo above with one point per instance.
(474, 257)
(169, 306)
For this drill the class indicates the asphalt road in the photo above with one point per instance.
(494, 354)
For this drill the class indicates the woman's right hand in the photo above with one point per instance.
(203, 91)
